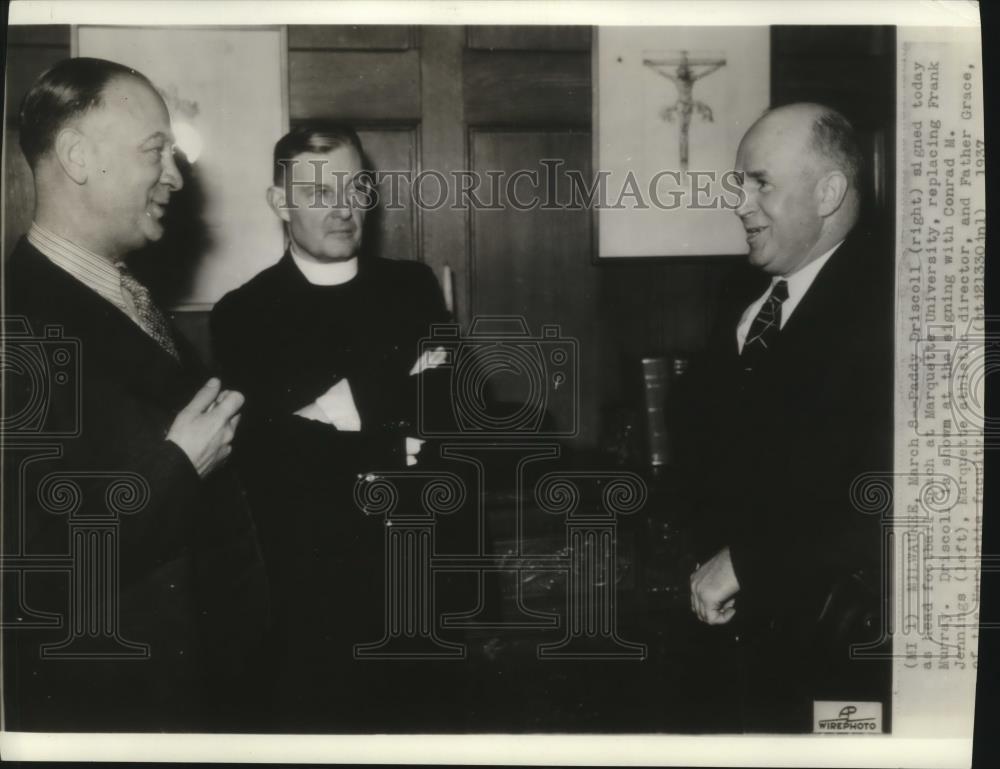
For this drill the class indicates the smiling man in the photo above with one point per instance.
(325, 346)
(793, 409)
(190, 580)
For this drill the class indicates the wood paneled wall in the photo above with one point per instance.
(502, 99)
(30, 51)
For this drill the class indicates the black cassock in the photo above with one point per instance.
(283, 342)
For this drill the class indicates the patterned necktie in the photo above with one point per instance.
(153, 321)
(765, 327)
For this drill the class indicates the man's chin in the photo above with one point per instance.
(342, 253)
(757, 258)
(152, 231)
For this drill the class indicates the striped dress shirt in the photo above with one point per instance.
(94, 271)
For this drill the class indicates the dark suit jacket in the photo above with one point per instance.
(192, 582)
(774, 454)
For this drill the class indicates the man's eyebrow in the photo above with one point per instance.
(757, 176)
(158, 136)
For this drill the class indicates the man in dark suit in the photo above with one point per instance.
(190, 582)
(794, 408)
(325, 346)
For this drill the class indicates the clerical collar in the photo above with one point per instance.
(319, 274)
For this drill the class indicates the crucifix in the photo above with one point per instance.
(683, 71)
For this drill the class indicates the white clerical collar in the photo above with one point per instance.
(324, 274)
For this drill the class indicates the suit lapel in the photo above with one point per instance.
(749, 288)
(108, 337)
(817, 329)
(821, 314)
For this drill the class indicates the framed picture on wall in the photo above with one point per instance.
(670, 107)
(227, 113)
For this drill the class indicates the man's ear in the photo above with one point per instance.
(831, 190)
(71, 153)
(276, 200)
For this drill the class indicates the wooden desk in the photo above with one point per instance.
(509, 606)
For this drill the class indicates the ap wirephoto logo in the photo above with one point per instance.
(847, 717)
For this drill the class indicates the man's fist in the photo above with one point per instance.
(713, 589)
(204, 429)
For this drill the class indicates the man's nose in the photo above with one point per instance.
(171, 174)
(747, 203)
(342, 209)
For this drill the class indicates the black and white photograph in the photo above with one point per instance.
(462, 370)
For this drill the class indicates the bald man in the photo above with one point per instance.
(795, 403)
(190, 583)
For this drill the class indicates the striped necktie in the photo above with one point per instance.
(765, 327)
(151, 319)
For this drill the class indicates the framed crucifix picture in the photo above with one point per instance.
(670, 105)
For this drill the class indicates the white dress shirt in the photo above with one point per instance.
(798, 283)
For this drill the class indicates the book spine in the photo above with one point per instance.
(656, 386)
